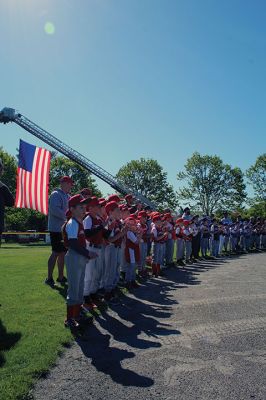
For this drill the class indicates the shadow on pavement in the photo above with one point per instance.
(108, 359)
(138, 322)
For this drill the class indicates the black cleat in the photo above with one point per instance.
(62, 281)
(49, 282)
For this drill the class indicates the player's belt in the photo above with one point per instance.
(117, 246)
(96, 246)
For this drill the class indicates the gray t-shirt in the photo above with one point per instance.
(58, 205)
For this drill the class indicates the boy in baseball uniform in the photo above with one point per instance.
(121, 253)
(143, 227)
(187, 235)
(205, 236)
(113, 245)
(132, 252)
(180, 251)
(96, 232)
(169, 244)
(158, 237)
(76, 258)
(215, 238)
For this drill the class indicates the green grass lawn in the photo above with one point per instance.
(32, 333)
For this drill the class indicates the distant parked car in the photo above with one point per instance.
(23, 238)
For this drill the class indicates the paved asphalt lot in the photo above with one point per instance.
(198, 333)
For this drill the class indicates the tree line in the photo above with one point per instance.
(208, 186)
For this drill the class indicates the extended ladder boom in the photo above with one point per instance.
(10, 115)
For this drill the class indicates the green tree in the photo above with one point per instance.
(211, 184)
(256, 175)
(61, 166)
(10, 170)
(22, 219)
(147, 177)
(257, 209)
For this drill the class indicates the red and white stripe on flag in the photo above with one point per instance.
(33, 178)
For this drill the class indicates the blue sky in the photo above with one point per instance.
(124, 79)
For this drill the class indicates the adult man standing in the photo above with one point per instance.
(58, 205)
(6, 199)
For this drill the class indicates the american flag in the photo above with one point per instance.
(33, 177)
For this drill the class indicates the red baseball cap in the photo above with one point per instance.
(86, 192)
(128, 197)
(77, 199)
(93, 202)
(155, 214)
(186, 222)
(114, 197)
(111, 206)
(142, 214)
(156, 217)
(102, 201)
(66, 179)
(167, 215)
(179, 221)
(130, 220)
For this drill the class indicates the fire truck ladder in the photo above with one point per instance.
(10, 115)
